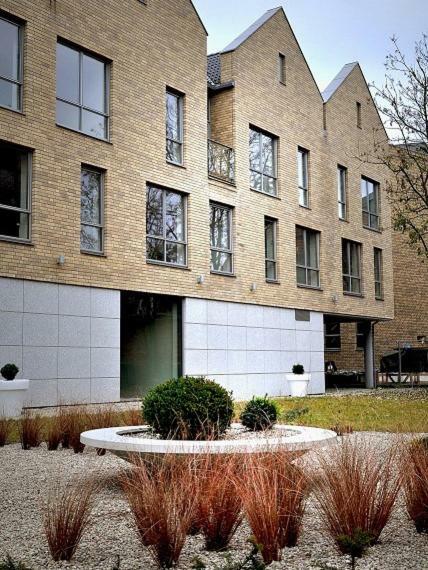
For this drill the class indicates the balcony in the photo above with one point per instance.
(221, 162)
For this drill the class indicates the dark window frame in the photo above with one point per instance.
(375, 214)
(378, 279)
(342, 192)
(274, 260)
(304, 174)
(180, 98)
(274, 177)
(332, 335)
(101, 225)
(350, 276)
(307, 267)
(282, 69)
(230, 251)
(20, 81)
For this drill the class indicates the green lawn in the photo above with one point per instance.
(391, 411)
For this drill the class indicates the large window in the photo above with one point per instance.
(303, 176)
(15, 193)
(332, 338)
(10, 64)
(351, 266)
(307, 257)
(166, 226)
(262, 162)
(81, 91)
(221, 239)
(270, 249)
(91, 211)
(174, 127)
(341, 193)
(370, 203)
(378, 273)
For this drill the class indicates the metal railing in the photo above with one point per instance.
(221, 162)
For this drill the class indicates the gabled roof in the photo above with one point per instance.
(200, 19)
(251, 30)
(334, 85)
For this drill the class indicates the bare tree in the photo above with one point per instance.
(403, 101)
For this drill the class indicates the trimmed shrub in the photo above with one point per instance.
(188, 408)
(259, 414)
(9, 371)
(298, 369)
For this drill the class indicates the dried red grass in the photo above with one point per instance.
(162, 501)
(6, 425)
(219, 507)
(67, 515)
(274, 491)
(414, 469)
(30, 430)
(130, 417)
(356, 488)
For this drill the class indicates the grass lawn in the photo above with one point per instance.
(386, 410)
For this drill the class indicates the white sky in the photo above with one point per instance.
(330, 32)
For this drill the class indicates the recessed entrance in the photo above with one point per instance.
(150, 340)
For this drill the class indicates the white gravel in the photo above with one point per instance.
(25, 477)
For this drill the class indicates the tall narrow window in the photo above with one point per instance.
(174, 127)
(332, 337)
(370, 203)
(81, 91)
(307, 257)
(166, 226)
(270, 249)
(360, 335)
(359, 115)
(221, 239)
(91, 211)
(281, 68)
(302, 170)
(10, 64)
(15, 193)
(341, 193)
(262, 162)
(351, 266)
(378, 273)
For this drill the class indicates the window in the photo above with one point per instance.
(81, 92)
(341, 192)
(359, 115)
(174, 127)
(378, 273)
(370, 203)
(15, 193)
(270, 249)
(307, 257)
(332, 338)
(166, 226)
(221, 238)
(302, 315)
(360, 335)
(262, 162)
(281, 68)
(351, 262)
(10, 64)
(91, 211)
(302, 169)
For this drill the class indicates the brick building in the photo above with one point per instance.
(128, 253)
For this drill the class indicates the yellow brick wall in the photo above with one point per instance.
(163, 44)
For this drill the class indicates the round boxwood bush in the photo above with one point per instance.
(259, 414)
(188, 408)
(9, 371)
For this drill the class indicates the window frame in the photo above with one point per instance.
(359, 115)
(375, 214)
(20, 81)
(107, 77)
(28, 210)
(274, 260)
(303, 190)
(348, 243)
(101, 225)
(282, 70)
(180, 97)
(378, 283)
(229, 209)
(337, 335)
(359, 335)
(342, 192)
(306, 267)
(163, 238)
(261, 133)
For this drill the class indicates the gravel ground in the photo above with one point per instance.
(25, 477)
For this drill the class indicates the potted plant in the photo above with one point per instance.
(298, 381)
(12, 391)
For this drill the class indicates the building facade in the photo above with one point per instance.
(128, 253)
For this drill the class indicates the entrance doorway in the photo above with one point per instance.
(150, 331)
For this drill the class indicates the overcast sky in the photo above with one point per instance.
(330, 32)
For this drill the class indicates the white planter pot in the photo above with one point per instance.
(12, 395)
(298, 384)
